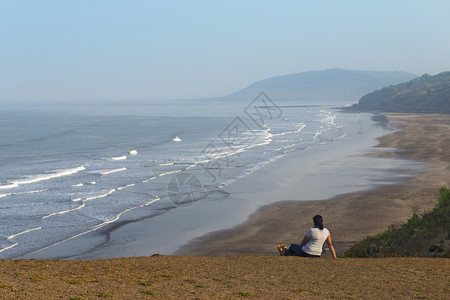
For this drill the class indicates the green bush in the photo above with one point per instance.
(408, 239)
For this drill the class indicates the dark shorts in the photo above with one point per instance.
(296, 250)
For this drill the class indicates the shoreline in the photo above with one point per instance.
(233, 226)
(350, 217)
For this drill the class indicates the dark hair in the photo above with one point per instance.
(318, 221)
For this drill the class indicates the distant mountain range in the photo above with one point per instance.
(423, 94)
(330, 86)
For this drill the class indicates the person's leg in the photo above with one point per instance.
(294, 250)
(304, 254)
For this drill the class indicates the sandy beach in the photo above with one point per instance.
(349, 217)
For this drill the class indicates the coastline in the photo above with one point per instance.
(352, 216)
(227, 222)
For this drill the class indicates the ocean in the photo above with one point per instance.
(71, 170)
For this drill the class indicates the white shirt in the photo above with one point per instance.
(316, 239)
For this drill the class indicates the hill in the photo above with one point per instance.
(331, 86)
(423, 94)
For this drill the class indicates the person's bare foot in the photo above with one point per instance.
(282, 249)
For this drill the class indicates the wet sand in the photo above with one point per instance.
(349, 217)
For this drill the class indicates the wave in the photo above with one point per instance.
(43, 177)
(300, 129)
(64, 211)
(103, 224)
(286, 147)
(168, 173)
(165, 164)
(100, 196)
(23, 232)
(83, 201)
(8, 186)
(112, 171)
(150, 179)
(78, 185)
(330, 117)
(319, 132)
(22, 193)
(126, 210)
(124, 187)
(133, 152)
(123, 157)
(9, 247)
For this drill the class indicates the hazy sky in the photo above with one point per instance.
(145, 50)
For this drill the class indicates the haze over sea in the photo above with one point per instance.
(72, 170)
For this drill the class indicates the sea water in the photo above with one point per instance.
(71, 170)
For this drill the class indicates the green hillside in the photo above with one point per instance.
(423, 94)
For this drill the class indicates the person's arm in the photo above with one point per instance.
(330, 245)
(305, 240)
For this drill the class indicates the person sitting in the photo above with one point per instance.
(311, 245)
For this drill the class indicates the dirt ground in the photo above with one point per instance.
(226, 277)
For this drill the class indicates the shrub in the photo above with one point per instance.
(415, 233)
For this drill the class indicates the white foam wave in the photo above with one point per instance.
(168, 173)
(319, 132)
(300, 129)
(22, 193)
(286, 147)
(112, 171)
(165, 164)
(23, 232)
(90, 230)
(9, 186)
(124, 187)
(100, 196)
(150, 179)
(176, 139)
(133, 152)
(117, 217)
(64, 211)
(91, 182)
(78, 185)
(329, 117)
(43, 177)
(123, 157)
(9, 247)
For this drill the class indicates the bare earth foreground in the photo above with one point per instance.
(350, 217)
(226, 277)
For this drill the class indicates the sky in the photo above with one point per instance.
(119, 51)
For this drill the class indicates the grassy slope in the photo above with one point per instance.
(412, 238)
(229, 277)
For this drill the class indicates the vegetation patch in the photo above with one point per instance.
(308, 291)
(412, 238)
(246, 294)
(7, 287)
(104, 295)
(199, 286)
(151, 293)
